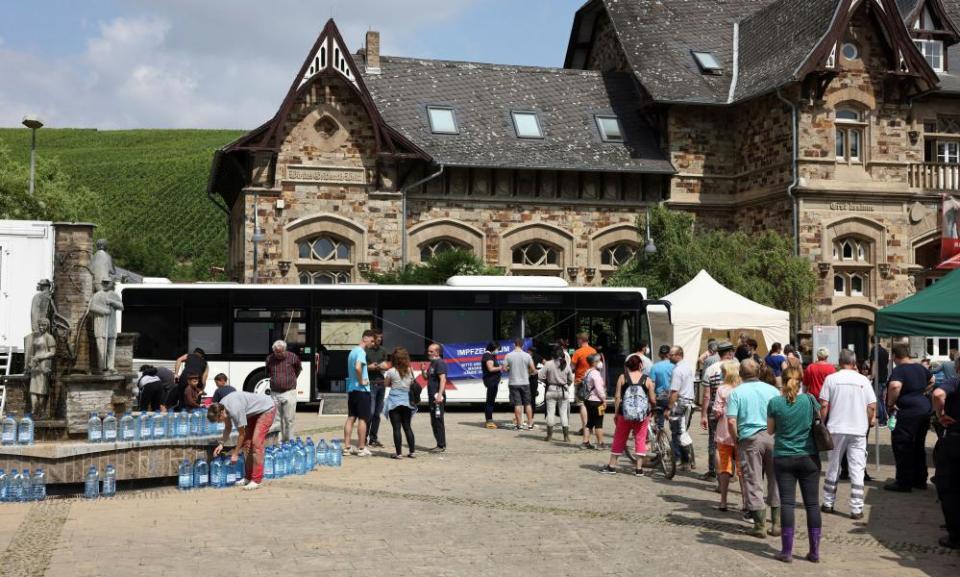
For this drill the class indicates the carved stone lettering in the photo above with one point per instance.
(850, 207)
(327, 174)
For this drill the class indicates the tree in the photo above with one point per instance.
(437, 270)
(761, 267)
(56, 197)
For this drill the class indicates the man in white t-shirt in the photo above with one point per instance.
(682, 393)
(848, 408)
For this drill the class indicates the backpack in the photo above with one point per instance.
(634, 404)
(584, 387)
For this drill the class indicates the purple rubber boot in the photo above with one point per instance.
(814, 555)
(786, 545)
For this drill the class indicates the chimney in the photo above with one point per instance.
(373, 52)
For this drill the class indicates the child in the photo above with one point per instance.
(726, 448)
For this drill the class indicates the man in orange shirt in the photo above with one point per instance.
(580, 367)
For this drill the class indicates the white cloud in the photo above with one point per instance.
(211, 64)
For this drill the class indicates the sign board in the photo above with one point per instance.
(828, 337)
(463, 359)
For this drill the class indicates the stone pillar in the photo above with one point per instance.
(73, 287)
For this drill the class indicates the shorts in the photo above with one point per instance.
(594, 416)
(728, 459)
(359, 405)
(520, 395)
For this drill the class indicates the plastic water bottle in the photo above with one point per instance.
(194, 423)
(185, 476)
(183, 425)
(26, 486)
(94, 429)
(145, 426)
(311, 454)
(25, 431)
(91, 484)
(241, 467)
(268, 463)
(204, 425)
(892, 421)
(3, 486)
(110, 428)
(9, 431)
(159, 424)
(14, 486)
(299, 460)
(280, 463)
(39, 485)
(127, 429)
(336, 454)
(109, 481)
(321, 456)
(201, 473)
(216, 472)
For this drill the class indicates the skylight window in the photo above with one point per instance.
(707, 62)
(527, 124)
(610, 130)
(442, 120)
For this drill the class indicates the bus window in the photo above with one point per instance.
(405, 328)
(463, 326)
(208, 337)
(251, 338)
(255, 330)
(159, 330)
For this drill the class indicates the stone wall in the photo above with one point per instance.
(73, 285)
(606, 53)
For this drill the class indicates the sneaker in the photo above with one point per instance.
(251, 486)
(240, 483)
(856, 516)
(491, 425)
(364, 452)
(531, 426)
(349, 451)
(375, 444)
(601, 446)
(438, 450)
(826, 509)
(411, 455)
(638, 473)
(587, 445)
(708, 476)
(608, 470)
(396, 456)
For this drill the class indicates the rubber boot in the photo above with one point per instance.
(814, 555)
(692, 458)
(786, 546)
(549, 434)
(774, 521)
(566, 434)
(759, 524)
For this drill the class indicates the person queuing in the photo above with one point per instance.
(558, 379)
(682, 395)
(727, 464)
(398, 406)
(377, 363)
(492, 373)
(151, 389)
(792, 356)
(595, 399)
(519, 367)
(790, 419)
(283, 368)
(252, 415)
(223, 389)
(662, 374)
(946, 405)
(907, 395)
(747, 424)
(816, 373)
(581, 364)
(713, 376)
(359, 401)
(642, 351)
(848, 408)
(437, 394)
(775, 360)
(632, 403)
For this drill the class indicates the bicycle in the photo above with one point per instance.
(659, 439)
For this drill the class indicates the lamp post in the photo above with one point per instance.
(651, 248)
(33, 123)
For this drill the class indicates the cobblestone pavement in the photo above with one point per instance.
(498, 503)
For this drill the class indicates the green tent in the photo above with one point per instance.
(934, 311)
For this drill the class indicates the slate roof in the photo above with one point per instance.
(950, 81)
(483, 95)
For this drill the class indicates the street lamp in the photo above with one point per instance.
(33, 123)
(650, 249)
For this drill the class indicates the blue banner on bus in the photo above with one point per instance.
(463, 359)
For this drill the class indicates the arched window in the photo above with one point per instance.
(324, 248)
(850, 127)
(839, 285)
(619, 254)
(856, 285)
(332, 276)
(850, 250)
(324, 259)
(535, 254)
(432, 248)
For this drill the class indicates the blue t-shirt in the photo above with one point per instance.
(775, 362)
(748, 404)
(662, 374)
(357, 355)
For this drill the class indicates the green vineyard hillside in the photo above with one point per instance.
(149, 192)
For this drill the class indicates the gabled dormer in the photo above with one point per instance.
(932, 32)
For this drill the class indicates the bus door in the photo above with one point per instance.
(339, 331)
(614, 335)
(545, 327)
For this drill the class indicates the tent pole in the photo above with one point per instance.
(876, 390)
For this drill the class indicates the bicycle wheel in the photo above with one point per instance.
(668, 464)
(629, 453)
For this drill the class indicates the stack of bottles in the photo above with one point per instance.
(298, 457)
(218, 473)
(14, 432)
(148, 426)
(21, 486)
(91, 483)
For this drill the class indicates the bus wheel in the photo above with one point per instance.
(257, 383)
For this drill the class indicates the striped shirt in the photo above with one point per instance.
(283, 369)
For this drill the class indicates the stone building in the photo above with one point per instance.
(834, 121)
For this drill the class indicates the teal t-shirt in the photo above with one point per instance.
(792, 436)
(748, 404)
(357, 355)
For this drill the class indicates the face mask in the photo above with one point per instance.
(599, 365)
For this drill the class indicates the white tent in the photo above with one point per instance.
(704, 304)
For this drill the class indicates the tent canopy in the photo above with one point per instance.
(704, 304)
(934, 311)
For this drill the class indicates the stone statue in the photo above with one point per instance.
(101, 265)
(103, 308)
(40, 350)
(42, 306)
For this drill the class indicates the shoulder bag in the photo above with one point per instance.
(821, 436)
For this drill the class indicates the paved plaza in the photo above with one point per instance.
(498, 503)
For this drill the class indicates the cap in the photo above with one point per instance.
(664, 349)
(724, 346)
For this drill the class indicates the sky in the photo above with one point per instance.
(119, 64)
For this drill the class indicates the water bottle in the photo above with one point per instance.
(9, 431)
(892, 421)
(216, 472)
(194, 423)
(94, 429)
(220, 427)
(268, 463)
(299, 461)
(336, 454)
(127, 429)
(201, 473)
(230, 478)
(25, 431)
(311, 454)
(110, 428)
(280, 463)
(185, 476)
(322, 451)
(110, 481)
(3, 486)
(204, 424)
(14, 486)
(26, 486)
(436, 410)
(183, 426)
(159, 424)
(91, 484)
(39, 484)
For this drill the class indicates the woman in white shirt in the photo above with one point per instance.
(398, 406)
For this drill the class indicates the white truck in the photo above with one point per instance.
(26, 257)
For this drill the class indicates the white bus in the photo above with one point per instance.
(235, 324)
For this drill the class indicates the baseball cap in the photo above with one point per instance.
(664, 349)
(724, 346)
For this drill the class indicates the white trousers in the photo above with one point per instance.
(855, 447)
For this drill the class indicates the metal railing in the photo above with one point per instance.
(935, 176)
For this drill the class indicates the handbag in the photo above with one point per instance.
(821, 436)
